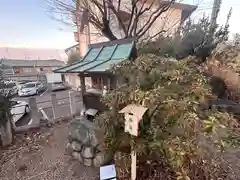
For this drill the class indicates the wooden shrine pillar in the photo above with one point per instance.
(83, 92)
(82, 81)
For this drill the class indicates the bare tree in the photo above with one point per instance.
(102, 14)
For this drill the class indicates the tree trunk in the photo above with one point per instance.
(6, 134)
(107, 32)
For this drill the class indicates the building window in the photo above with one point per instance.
(8, 71)
(27, 70)
(18, 70)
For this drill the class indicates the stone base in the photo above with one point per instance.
(77, 156)
(84, 144)
(88, 162)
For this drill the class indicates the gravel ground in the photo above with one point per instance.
(40, 155)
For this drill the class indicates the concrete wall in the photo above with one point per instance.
(168, 21)
(73, 80)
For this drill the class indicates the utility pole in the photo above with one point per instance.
(82, 20)
(79, 35)
(78, 25)
(214, 15)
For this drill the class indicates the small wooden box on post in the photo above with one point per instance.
(133, 114)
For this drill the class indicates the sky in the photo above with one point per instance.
(205, 6)
(25, 23)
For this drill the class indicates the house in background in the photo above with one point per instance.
(169, 21)
(28, 69)
(93, 69)
(32, 54)
(72, 49)
(72, 78)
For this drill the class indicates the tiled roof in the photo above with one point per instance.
(32, 63)
(32, 53)
(74, 46)
(179, 5)
(101, 56)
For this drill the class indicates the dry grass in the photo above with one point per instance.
(41, 155)
(231, 78)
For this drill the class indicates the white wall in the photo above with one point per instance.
(73, 80)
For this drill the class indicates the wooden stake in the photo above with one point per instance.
(134, 165)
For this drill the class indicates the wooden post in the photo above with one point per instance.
(34, 111)
(83, 86)
(72, 103)
(44, 114)
(83, 91)
(133, 115)
(133, 165)
(54, 106)
(109, 83)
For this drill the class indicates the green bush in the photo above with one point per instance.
(162, 46)
(197, 38)
(189, 139)
(4, 110)
(193, 39)
(4, 101)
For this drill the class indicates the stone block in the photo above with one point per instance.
(93, 138)
(83, 136)
(77, 156)
(87, 162)
(80, 135)
(84, 131)
(68, 145)
(70, 137)
(101, 159)
(88, 152)
(69, 149)
(76, 146)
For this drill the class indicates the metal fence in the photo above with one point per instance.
(60, 107)
(51, 110)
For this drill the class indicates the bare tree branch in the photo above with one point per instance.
(133, 3)
(139, 13)
(153, 17)
(111, 6)
(99, 11)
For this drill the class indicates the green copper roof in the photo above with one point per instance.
(101, 57)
